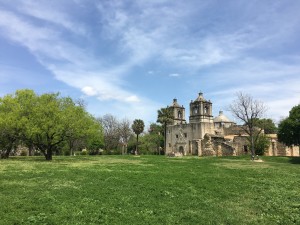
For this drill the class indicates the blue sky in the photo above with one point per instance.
(130, 58)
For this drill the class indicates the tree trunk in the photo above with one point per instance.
(137, 143)
(252, 145)
(48, 155)
(165, 138)
(5, 154)
(125, 149)
(30, 149)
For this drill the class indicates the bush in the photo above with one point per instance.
(24, 152)
(37, 153)
(84, 152)
(66, 152)
(261, 145)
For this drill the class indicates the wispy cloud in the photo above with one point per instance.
(174, 75)
(103, 48)
(48, 12)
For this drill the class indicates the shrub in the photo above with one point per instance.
(84, 152)
(24, 152)
(261, 145)
(66, 152)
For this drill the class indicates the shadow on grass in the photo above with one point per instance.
(294, 160)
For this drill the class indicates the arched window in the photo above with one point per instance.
(206, 110)
(195, 110)
(179, 115)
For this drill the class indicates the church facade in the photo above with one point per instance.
(205, 135)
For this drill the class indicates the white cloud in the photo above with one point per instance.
(132, 98)
(274, 83)
(174, 75)
(89, 91)
(195, 38)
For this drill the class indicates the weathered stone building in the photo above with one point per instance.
(208, 136)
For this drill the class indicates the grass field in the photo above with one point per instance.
(149, 190)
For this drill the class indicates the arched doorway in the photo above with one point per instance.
(181, 150)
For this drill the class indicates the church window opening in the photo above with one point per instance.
(185, 135)
(176, 135)
(179, 115)
(205, 110)
(196, 110)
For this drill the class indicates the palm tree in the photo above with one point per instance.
(165, 116)
(138, 128)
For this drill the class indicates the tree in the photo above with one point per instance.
(138, 128)
(267, 125)
(152, 141)
(94, 138)
(156, 137)
(248, 110)
(82, 129)
(46, 122)
(125, 133)
(165, 117)
(261, 144)
(110, 126)
(49, 123)
(10, 126)
(289, 128)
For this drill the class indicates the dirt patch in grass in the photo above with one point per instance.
(104, 162)
(243, 165)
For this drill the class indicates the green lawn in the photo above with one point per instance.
(149, 190)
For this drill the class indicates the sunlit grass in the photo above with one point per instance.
(149, 190)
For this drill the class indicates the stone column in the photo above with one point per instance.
(219, 150)
(191, 147)
(199, 147)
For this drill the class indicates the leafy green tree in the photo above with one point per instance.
(289, 128)
(138, 128)
(267, 125)
(46, 122)
(261, 144)
(156, 136)
(165, 117)
(151, 143)
(27, 100)
(82, 129)
(49, 123)
(10, 125)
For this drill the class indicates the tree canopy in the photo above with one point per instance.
(289, 128)
(45, 122)
(267, 125)
(165, 117)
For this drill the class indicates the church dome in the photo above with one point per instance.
(221, 118)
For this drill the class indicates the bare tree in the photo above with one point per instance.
(110, 126)
(125, 133)
(248, 110)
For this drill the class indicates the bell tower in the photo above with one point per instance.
(200, 110)
(178, 113)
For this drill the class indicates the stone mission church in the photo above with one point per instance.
(208, 136)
